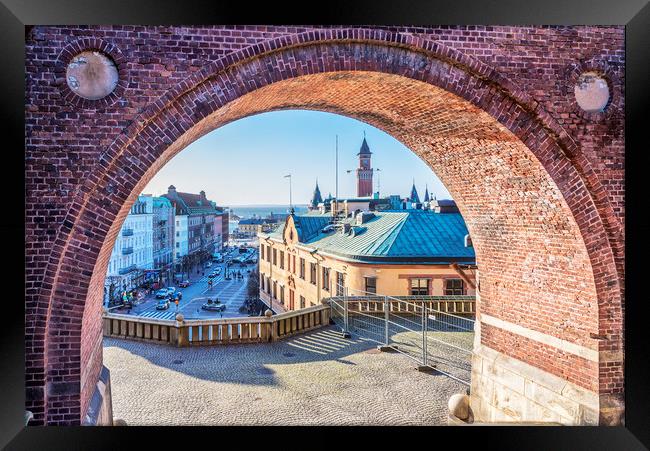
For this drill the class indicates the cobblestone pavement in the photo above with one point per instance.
(314, 378)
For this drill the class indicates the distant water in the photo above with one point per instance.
(247, 211)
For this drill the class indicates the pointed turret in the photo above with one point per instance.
(365, 149)
(426, 194)
(316, 198)
(414, 194)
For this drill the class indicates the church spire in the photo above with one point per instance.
(316, 198)
(426, 194)
(414, 194)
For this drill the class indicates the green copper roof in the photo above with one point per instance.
(390, 237)
(159, 202)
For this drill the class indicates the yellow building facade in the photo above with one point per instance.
(309, 260)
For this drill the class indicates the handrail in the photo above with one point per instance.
(215, 330)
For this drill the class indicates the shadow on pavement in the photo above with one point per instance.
(247, 363)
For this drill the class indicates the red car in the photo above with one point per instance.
(184, 284)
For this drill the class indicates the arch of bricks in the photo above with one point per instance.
(490, 109)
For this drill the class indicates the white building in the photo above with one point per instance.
(181, 237)
(133, 249)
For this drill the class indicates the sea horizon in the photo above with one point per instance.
(265, 205)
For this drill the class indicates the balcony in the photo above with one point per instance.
(127, 250)
(128, 269)
(127, 232)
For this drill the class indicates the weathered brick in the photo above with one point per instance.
(539, 182)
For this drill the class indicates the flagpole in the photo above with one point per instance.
(290, 197)
(336, 204)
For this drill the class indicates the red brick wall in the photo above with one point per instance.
(539, 183)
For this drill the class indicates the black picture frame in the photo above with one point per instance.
(634, 14)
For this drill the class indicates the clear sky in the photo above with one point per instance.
(244, 162)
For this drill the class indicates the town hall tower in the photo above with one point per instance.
(364, 172)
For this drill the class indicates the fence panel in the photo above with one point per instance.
(415, 326)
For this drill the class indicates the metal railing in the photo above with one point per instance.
(415, 326)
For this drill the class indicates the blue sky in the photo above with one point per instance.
(244, 162)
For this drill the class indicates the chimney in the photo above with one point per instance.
(171, 190)
(202, 193)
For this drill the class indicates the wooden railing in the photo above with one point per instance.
(457, 305)
(215, 331)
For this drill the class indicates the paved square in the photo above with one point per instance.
(317, 378)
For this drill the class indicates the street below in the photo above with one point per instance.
(316, 378)
(231, 293)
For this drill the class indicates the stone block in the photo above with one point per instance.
(568, 409)
(504, 377)
(508, 402)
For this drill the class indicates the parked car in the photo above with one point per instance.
(214, 306)
(162, 293)
(171, 291)
(163, 304)
(184, 284)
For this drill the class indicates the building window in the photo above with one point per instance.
(371, 285)
(293, 257)
(268, 254)
(281, 259)
(302, 268)
(275, 257)
(312, 273)
(454, 287)
(261, 282)
(326, 279)
(340, 283)
(419, 287)
(262, 251)
(302, 302)
(275, 289)
(281, 294)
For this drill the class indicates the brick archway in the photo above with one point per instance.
(537, 210)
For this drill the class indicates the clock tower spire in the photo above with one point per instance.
(364, 171)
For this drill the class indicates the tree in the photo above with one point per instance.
(253, 305)
(253, 284)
